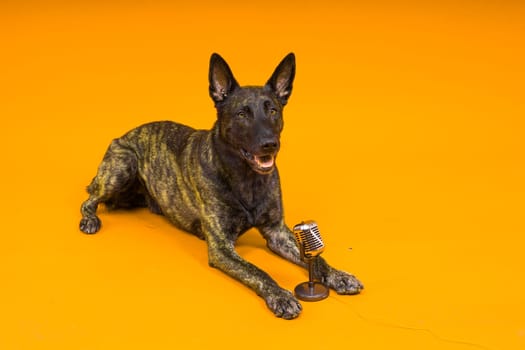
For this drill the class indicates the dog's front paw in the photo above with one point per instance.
(283, 304)
(90, 224)
(343, 282)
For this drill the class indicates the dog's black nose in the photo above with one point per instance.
(269, 146)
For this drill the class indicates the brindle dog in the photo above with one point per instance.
(215, 183)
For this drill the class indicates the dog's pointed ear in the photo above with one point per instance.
(222, 82)
(281, 80)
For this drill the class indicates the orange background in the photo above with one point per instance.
(404, 140)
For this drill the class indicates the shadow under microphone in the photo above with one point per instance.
(311, 245)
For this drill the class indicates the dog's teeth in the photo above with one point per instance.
(261, 162)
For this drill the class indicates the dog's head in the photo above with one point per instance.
(250, 119)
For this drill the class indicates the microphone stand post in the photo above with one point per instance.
(311, 290)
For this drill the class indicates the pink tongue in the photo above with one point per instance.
(264, 164)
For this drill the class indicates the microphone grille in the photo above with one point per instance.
(307, 234)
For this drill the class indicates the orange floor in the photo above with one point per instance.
(404, 140)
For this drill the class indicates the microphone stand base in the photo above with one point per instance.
(311, 291)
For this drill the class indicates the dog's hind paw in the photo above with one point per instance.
(90, 224)
(284, 304)
(343, 282)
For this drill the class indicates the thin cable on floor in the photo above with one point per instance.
(410, 328)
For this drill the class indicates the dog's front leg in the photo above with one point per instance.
(280, 240)
(222, 255)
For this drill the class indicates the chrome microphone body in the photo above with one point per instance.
(309, 239)
(310, 244)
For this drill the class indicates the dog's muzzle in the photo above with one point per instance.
(263, 163)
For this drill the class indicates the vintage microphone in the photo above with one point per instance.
(311, 245)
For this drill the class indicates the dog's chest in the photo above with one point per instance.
(255, 202)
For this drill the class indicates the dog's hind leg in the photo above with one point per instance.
(116, 174)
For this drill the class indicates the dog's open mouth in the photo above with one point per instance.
(263, 164)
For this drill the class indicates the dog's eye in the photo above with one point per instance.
(241, 114)
(273, 112)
